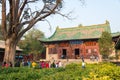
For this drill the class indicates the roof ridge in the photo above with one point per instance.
(97, 25)
(81, 26)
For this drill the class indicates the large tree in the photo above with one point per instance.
(18, 17)
(105, 44)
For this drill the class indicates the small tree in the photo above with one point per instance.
(105, 45)
(30, 44)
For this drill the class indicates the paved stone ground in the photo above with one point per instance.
(65, 61)
(68, 61)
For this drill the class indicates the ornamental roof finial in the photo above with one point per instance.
(80, 25)
(107, 22)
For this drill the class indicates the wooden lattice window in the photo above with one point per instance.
(52, 50)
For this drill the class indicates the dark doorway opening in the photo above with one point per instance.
(1, 57)
(64, 53)
(77, 52)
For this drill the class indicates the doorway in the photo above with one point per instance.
(64, 53)
(77, 52)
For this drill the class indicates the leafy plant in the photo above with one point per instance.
(105, 44)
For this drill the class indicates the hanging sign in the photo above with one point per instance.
(76, 42)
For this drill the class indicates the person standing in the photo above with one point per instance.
(10, 64)
(34, 64)
(83, 64)
(29, 63)
(59, 64)
(6, 65)
(82, 58)
(47, 65)
(17, 64)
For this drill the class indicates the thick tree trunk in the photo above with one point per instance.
(10, 50)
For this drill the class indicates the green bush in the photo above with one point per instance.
(101, 71)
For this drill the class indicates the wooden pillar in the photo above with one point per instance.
(47, 53)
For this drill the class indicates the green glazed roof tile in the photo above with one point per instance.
(80, 32)
(115, 34)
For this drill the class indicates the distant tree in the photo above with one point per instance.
(105, 45)
(30, 44)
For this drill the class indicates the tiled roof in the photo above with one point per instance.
(115, 34)
(2, 45)
(80, 32)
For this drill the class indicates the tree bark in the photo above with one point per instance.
(10, 50)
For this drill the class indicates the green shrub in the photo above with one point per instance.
(101, 71)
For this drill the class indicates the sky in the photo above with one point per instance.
(90, 13)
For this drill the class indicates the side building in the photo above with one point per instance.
(2, 50)
(76, 42)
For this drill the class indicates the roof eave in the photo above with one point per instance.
(69, 40)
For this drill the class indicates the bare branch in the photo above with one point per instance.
(39, 13)
(50, 12)
(31, 23)
(12, 17)
(65, 15)
(16, 9)
(19, 27)
(4, 29)
(31, 1)
(21, 9)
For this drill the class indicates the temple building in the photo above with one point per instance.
(76, 42)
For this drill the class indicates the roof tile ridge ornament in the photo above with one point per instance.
(60, 29)
(107, 22)
(57, 28)
(80, 25)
